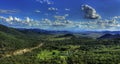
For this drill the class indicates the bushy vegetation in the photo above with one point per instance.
(58, 50)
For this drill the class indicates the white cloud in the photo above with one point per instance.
(67, 9)
(90, 13)
(2, 11)
(46, 21)
(52, 9)
(49, 2)
(28, 20)
(66, 15)
(116, 17)
(60, 17)
(37, 11)
(9, 19)
(17, 19)
(62, 23)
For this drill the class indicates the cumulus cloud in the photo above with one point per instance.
(67, 9)
(58, 17)
(46, 21)
(28, 19)
(45, 1)
(88, 25)
(2, 11)
(37, 11)
(52, 9)
(15, 20)
(58, 24)
(102, 24)
(10, 18)
(40, 1)
(66, 15)
(116, 17)
(90, 12)
(62, 22)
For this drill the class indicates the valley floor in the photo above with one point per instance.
(57, 49)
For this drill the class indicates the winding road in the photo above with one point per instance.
(22, 51)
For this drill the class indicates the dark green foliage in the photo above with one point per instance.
(60, 50)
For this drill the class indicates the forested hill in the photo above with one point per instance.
(31, 47)
(12, 39)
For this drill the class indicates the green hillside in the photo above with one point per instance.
(17, 47)
(12, 39)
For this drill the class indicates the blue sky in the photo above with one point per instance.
(60, 14)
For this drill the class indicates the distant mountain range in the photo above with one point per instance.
(41, 31)
(66, 32)
(110, 36)
(93, 34)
